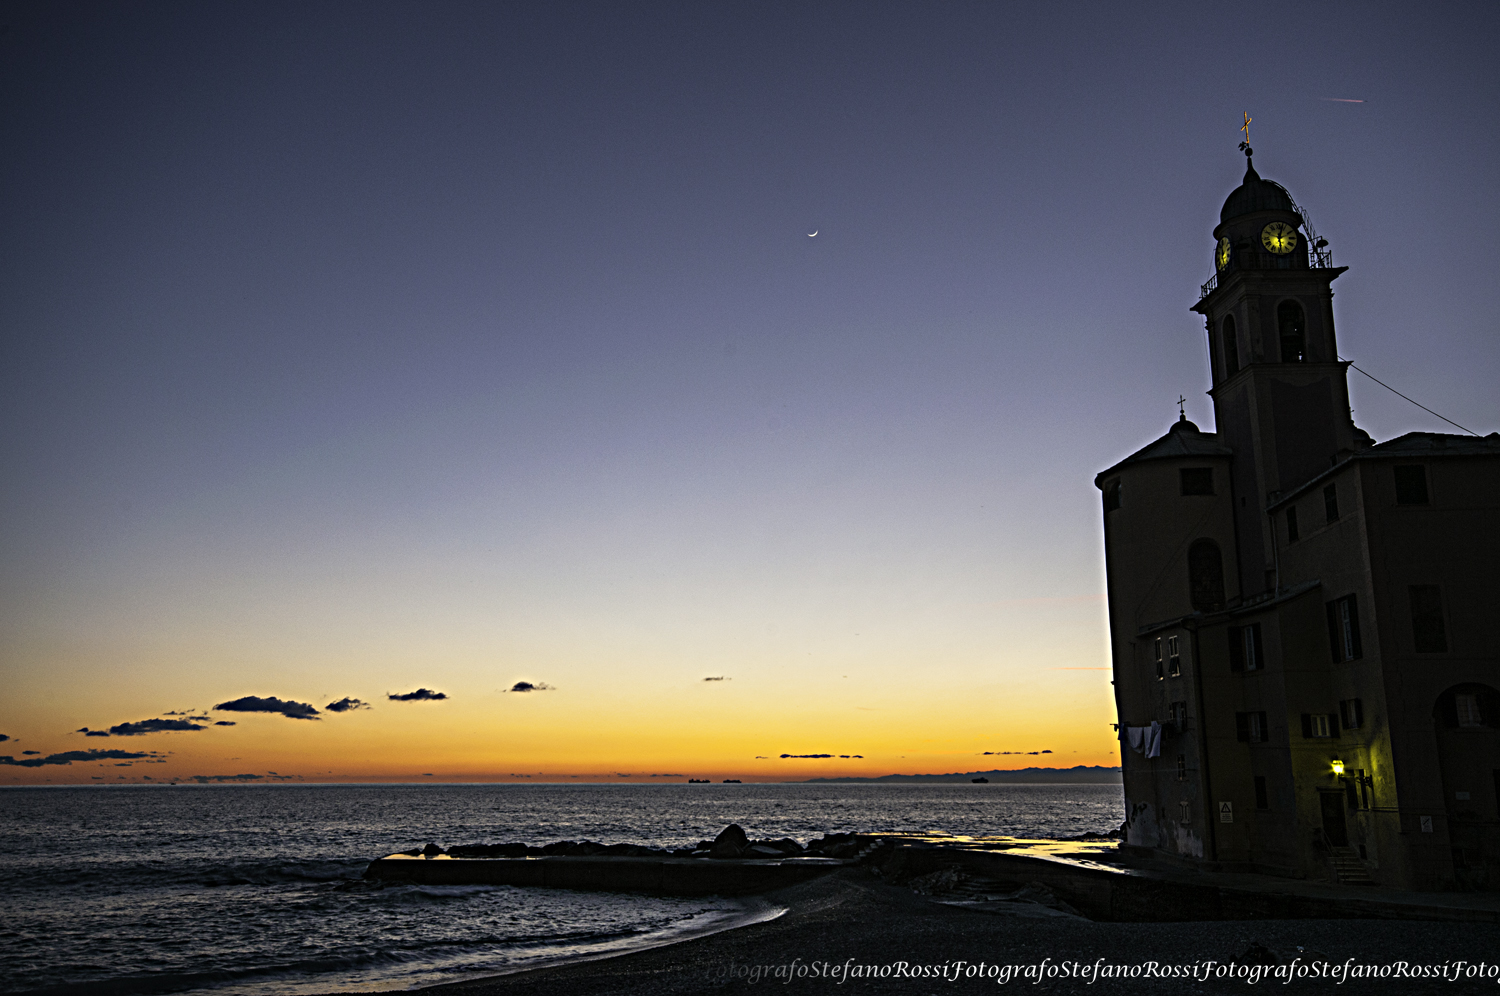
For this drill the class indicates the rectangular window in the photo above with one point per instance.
(1181, 768)
(1291, 525)
(1174, 658)
(1250, 727)
(1468, 710)
(1331, 503)
(1317, 725)
(1262, 797)
(1352, 712)
(1343, 629)
(1427, 629)
(1196, 480)
(1411, 485)
(1111, 495)
(1184, 814)
(1159, 672)
(1245, 650)
(1178, 716)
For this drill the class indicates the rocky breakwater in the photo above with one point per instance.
(730, 864)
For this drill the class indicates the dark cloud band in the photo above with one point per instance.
(254, 703)
(420, 695)
(69, 756)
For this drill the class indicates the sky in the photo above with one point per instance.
(351, 350)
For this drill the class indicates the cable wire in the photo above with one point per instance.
(1417, 403)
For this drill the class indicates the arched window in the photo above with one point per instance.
(1231, 347)
(1292, 324)
(1206, 576)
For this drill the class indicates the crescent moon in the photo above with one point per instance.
(811, 234)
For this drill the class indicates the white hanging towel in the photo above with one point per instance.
(1153, 740)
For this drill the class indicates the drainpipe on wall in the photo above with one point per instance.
(1210, 811)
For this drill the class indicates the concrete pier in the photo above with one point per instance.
(666, 876)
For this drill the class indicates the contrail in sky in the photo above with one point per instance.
(1342, 100)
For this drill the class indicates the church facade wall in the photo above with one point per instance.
(1334, 712)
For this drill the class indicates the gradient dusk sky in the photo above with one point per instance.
(352, 349)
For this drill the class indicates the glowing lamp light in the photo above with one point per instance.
(1338, 768)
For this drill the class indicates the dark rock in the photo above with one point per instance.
(730, 843)
(559, 847)
(515, 850)
(585, 848)
(431, 850)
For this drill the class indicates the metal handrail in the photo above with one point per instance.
(1317, 259)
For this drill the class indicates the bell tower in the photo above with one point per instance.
(1280, 393)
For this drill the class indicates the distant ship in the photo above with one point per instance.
(733, 781)
(980, 780)
(699, 781)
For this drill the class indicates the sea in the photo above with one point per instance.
(250, 890)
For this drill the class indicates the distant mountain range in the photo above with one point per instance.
(1080, 774)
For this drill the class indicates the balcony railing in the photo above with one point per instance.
(1311, 259)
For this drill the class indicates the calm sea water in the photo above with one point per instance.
(256, 889)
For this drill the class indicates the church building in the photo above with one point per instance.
(1304, 623)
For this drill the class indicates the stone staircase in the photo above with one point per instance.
(1349, 869)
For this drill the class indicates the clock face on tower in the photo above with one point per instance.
(1221, 254)
(1279, 237)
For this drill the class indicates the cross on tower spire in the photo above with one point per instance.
(1245, 145)
(1181, 408)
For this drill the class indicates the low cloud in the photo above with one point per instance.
(226, 778)
(843, 756)
(146, 726)
(30, 752)
(420, 695)
(527, 686)
(669, 775)
(254, 703)
(69, 756)
(717, 677)
(3, 738)
(1025, 753)
(91, 733)
(346, 705)
(225, 722)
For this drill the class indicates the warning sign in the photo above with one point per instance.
(1226, 812)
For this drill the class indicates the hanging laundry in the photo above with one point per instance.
(1137, 737)
(1153, 740)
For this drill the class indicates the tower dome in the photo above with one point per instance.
(1254, 195)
